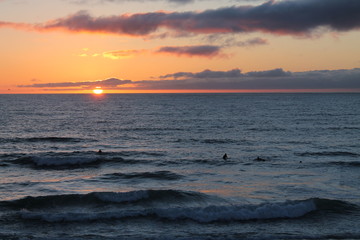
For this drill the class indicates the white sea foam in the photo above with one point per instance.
(199, 214)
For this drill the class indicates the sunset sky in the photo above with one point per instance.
(74, 46)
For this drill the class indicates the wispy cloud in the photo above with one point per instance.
(232, 40)
(250, 43)
(20, 26)
(206, 74)
(108, 83)
(122, 54)
(199, 51)
(208, 51)
(292, 17)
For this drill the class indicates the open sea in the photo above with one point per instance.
(292, 172)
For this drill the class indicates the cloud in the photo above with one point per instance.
(269, 74)
(178, 2)
(187, 51)
(231, 40)
(251, 42)
(235, 73)
(181, 1)
(201, 50)
(108, 83)
(122, 54)
(291, 17)
(122, 1)
(20, 26)
(231, 74)
(133, 25)
(275, 79)
(182, 51)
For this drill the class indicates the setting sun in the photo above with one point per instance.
(98, 90)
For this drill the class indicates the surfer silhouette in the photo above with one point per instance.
(225, 157)
(99, 152)
(259, 159)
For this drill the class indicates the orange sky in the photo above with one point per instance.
(160, 46)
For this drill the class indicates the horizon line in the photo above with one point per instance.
(173, 91)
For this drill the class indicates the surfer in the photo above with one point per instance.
(259, 159)
(99, 152)
(225, 157)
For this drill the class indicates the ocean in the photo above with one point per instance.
(292, 169)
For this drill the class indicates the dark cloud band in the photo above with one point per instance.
(291, 17)
(276, 79)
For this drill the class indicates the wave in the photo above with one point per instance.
(262, 129)
(343, 128)
(155, 129)
(163, 204)
(219, 161)
(58, 161)
(214, 141)
(347, 164)
(335, 206)
(219, 141)
(69, 160)
(104, 198)
(140, 153)
(329, 154)
(43, 139)
(65, 160)
(208, 214)
(158, 175)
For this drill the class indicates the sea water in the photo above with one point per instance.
(292, 170)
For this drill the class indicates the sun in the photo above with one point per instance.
(98, 90)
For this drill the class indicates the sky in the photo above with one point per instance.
(151, 46)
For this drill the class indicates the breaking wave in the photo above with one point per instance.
(104, 198)
(100, 206)
(213, 213)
